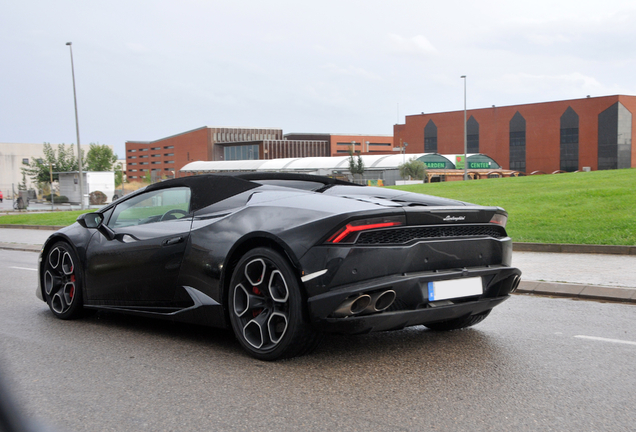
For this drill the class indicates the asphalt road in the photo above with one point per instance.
(535, 364)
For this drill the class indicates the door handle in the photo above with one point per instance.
(172, 241)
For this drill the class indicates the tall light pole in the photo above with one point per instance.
(465, 136)
(79, 151)
(51, 165)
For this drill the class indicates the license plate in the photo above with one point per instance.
(454, 288)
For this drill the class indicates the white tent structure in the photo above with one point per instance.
(385, 167)
(306, 165)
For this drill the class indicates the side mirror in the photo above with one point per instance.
(90, 220)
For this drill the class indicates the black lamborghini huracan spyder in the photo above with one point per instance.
(282, 259)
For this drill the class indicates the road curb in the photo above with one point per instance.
(574, 248)
(35, 227)
(21, 247)
(580, 291)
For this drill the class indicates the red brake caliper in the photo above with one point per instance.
(256, 312)
(72, 293)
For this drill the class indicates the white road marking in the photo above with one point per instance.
(605, 339)
(24, 268)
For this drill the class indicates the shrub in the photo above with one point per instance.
(59, 199)
(97, 197)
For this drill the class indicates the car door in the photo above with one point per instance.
(140, 265)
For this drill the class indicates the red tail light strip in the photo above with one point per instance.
(348, 229)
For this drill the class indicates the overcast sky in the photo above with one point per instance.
(145, 70)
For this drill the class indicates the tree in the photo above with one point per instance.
(356, 165)
(22, 186)
(413, 169)
(100, 157)
(63, 161)
(119, 174)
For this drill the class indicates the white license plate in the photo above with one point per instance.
(454, 288)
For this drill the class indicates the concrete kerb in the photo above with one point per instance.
(578, 291)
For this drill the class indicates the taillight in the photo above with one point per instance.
(499, 219)
(349, 233)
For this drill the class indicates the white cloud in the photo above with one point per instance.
(351, 71)
(415, 45)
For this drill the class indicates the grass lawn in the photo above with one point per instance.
(61, 218)
(584, 208)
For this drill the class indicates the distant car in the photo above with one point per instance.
(282, 259)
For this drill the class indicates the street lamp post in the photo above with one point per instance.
(465, 136)
(79, 151)
(51, 165)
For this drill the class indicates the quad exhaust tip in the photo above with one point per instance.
(515, 284)
(365, 304)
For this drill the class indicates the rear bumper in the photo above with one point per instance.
(411, 305)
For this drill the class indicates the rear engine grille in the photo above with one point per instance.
(407, 234)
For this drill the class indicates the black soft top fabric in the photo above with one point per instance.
(207, 189)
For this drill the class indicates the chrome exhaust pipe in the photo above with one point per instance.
(515, 284)
(352, 306)
(380, 301)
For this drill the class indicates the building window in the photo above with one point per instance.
(132, 157)
(155, 148)
(430, 137)
(168, 154)
(143, 156)
(155, 163)
(569, 141)
(169, 162)
(143, 163)
(518, 143)
(472, 135)
(133, 170)
(132, 151)
(132, 177)
(143, 149)
(133, 163)
(168, 147)
(155, 155)
(614, 137)
(245, 152)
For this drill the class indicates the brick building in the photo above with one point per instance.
(341, 145)
(165, 157)
(543, 137)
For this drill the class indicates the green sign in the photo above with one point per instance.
(479, 165)
(435, 165)
(459, 162)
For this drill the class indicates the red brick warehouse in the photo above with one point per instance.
(545, 137)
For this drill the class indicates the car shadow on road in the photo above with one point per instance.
(414, 344)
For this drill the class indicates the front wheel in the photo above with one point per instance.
(267, 309)
(62, 281)
(459, 323)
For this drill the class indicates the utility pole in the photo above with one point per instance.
(79, 151)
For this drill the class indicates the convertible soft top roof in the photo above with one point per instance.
(208, 189)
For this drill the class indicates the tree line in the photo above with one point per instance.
(99, 157)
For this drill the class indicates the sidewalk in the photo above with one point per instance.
(607, 276)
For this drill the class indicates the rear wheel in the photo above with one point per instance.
(267, 310)
(459, 323)
(62, 281)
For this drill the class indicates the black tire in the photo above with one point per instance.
(459, 323)
(267, 309)
(62, 281)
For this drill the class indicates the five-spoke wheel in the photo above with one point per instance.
(62, 281)
(266, 307)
